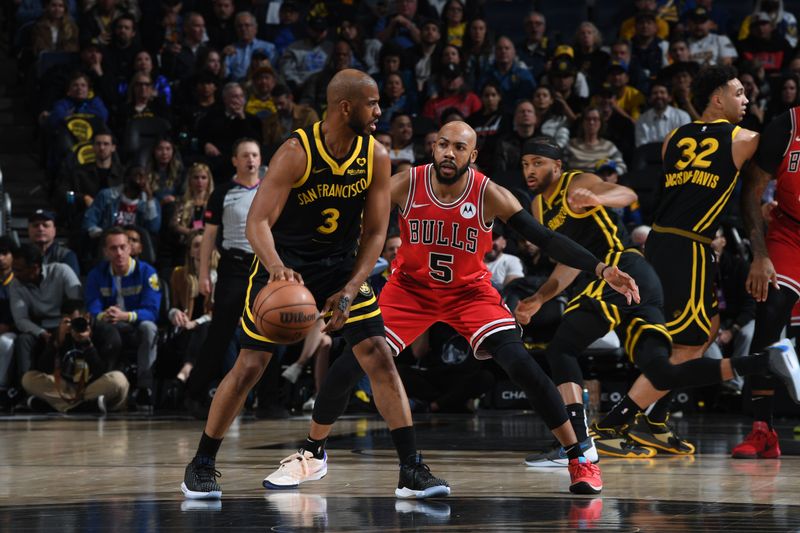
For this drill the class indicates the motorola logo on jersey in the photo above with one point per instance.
(440, 233)
(468, 210)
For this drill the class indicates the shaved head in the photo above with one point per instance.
(348, 84)
(353, 98)
(454, 151)
(458, 131)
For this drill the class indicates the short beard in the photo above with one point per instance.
(544, 183)
(357, 127)
(454, 179)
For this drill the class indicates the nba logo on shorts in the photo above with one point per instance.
(468, 210)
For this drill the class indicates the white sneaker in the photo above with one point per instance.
(292, 372)
(309, 404)
(783, 363)
(295, 469)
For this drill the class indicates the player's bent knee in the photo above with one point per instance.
(251, 363)
(373, 354)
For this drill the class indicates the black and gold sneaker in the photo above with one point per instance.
(614, 442)
(659, 436)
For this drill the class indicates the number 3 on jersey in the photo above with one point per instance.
(440, 267)
(330, 224)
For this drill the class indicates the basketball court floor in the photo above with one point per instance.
(122, 473)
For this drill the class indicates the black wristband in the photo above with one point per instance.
(603, 272)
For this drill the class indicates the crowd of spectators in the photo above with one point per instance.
(139, 104)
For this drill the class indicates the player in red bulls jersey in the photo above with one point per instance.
(774, 279)
(447, 209)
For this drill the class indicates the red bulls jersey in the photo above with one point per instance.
(443, 243)
(787, 190)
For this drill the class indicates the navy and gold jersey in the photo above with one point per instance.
(596, 229)
(699, 178)
(322, 215)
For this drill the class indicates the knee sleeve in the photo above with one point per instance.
(333, 396)
(508, 352)
(652, 357)
(562, 355)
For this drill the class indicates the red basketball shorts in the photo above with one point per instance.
(783, 244)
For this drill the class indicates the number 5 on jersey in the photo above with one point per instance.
(440, 267)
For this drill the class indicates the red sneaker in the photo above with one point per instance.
(584, 476)
(760, 442)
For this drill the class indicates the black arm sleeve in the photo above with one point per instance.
(561, 248)
(773, 143)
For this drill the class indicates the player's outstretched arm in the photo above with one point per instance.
(589, 190)
(286, 167)
(561, 278)
(373, 234)
(499, 202)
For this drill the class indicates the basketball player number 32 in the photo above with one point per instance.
(330, 223)
(690, 157)
(440, 267)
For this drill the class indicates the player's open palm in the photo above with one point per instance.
(526, 308)
(762, 274)
(581, 197)
(622, 283)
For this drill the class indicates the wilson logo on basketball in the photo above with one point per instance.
(297, 318)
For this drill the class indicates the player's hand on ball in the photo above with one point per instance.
(581, 197)
(338, 306)
(282, 273)
(622, 283)
(526, 308)
(762, 274)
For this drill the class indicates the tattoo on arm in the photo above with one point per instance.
(755, 182)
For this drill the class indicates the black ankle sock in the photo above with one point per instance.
(405, 442)
(620, 414)
(316, 447)
(574, 451)
(758, 363)
(577, 417)
(660, 411)
(208, 447)
(762, 409)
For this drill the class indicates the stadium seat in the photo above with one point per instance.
(140, 134)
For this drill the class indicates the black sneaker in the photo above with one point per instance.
(416, 481)
(199, 481)
(144, 401)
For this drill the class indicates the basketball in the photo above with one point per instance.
(284, 311)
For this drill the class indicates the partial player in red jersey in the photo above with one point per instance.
(447, 210)
(774, 279)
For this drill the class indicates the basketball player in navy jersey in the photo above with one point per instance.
(447, 211)
(320, 218)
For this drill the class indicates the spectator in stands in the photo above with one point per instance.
(259, 101)
(122, 50)
(42, 233)
(141, 103)
(71, 374)
(562, 79)
(681, 82)
(402, 133)
(765, 45)
(237, 55)
(737, 309)
(535, 50)
(622, 52)
(424, 53)
(454, 93)
(130, 203)
(162, 26)
(514, 79)
(307, 56)
(178, 59)
(489, 123)
(30, 10)
(190, 211)
(783, 20)
(202, 101)
(37, 292)
(589, 147)
(384, 138)
(394, 99)
(98, 22)
(657, 122)
(454, 25)
(504, 267)
(366, 51)
(210, 60)
(708, 48)
(8, 395)
(191, 310)
(552, 122)
(220, 128)
(143, 64)
(91, 64)
(287, 118)
(589, 56)
(77, 101)
(55, 31)
(649, 50)
(629, 100)
(628, 26)
(754, 116)
(506, 169)
(126, 293)
(400, 28)
(316, 87)
(619, 128)
(166, 171)
(220, 27)
(787, 97)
